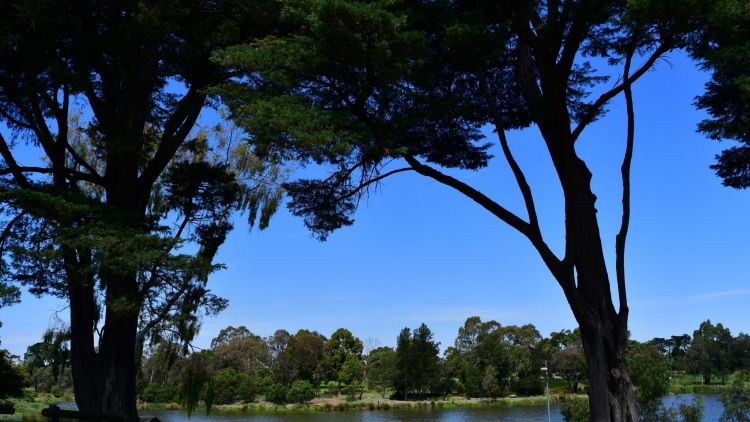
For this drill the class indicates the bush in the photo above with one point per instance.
(679, 412)
(156, 393)
(692, 412)
(276, 393)
(649, 371)
(736, 399)
(300, 392)
(6, 407)
(574, 409)
(12, 377)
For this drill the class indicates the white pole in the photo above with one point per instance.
(546, 376)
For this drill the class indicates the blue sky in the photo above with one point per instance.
(420, 252)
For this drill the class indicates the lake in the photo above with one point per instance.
(500, 413)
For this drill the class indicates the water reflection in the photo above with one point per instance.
(711, 404)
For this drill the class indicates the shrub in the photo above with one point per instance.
(300, 392)
(276, 393)
(679, 412)
(156, 393)
(692, 412)
(574, 409)
(736, 399)
(6, 407)
(12, 377)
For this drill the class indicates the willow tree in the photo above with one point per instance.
(379, 88)
(122, 186)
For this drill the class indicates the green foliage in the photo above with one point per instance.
(12, 376)
(306, 352)
(156, 393)
(515, 353)
(196, 382)
(489, 383)
(570, 364)
(649, 373)
(276, 393)
(53, 352)
(709, 352)
(681, 411)
(736, 399)
(417, 362)
(381, 368)
(128, 201)
(574, 409)
(231, 386)
(300, 391)
(722, 46)
(341, 346)
(352, 373)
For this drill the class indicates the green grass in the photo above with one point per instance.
(29, 407)
(682, 383)
(374, 402)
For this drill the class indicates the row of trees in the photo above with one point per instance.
(486, 359)
(100, 220)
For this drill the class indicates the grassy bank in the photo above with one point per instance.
(29, 407)
(367, 403)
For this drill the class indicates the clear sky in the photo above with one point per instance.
(420, 252)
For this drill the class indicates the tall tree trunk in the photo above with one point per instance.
(117, 365)
(83, 357)
(104, 380)
(603, 330)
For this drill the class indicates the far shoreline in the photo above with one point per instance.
(341, 404)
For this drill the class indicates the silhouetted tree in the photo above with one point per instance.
(418, 82)
(99, 220)
(722, 46)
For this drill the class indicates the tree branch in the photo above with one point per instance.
(549, 258)
(375, 180)
(520, 177)
(627, 81)
(73, 174)
(10, 161)
(176, 129)
(6, 231)
(625, 170)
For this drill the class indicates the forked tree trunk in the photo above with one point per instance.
(104, 379)
(603, 329)
(611, 396)
(104, 373)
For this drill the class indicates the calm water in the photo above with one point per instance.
(510, 414)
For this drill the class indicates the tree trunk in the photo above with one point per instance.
(103, 380)
(603, 329)
(117, 367)
(611, 396)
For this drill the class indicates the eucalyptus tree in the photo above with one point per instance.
(379, 88)
(122, 186)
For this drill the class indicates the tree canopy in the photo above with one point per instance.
(418, 83)
(109, 94)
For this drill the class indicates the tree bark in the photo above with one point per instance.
(603, 330)
(104, 379)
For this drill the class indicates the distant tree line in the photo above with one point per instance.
(486, 360)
